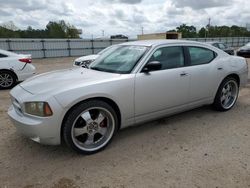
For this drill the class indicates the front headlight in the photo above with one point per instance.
(41, 109)
(86, 63)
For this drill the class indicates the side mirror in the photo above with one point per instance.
(152, 66)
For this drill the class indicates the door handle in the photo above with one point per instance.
(184, 74)
(220, 68)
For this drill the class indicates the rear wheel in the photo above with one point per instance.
(7, 80)
(227, 94)
(90, 127)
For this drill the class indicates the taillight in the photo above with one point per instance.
(25, 60)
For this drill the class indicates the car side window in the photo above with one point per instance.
(169, 57)
(2, 55)
(199, 56)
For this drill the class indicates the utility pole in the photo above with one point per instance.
(103, 33)
(208, 26)
(142, 30)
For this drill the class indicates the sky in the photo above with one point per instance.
(127, 17)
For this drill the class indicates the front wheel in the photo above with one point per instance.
(90, 127)
(227, 94)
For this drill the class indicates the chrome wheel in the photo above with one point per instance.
(6, 80)
(229, 94)
(93, 129)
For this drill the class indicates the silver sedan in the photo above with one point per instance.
(130, 84)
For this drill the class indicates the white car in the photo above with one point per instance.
(85, 61)
(14, 68)
(131, 84)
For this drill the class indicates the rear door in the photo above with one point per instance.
(4, 63)
(9, 60)
(203, 73)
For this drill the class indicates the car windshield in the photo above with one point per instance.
(105, 50)
(248, 44)
(119, 59)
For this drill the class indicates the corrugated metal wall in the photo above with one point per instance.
(43, 48)
(230, 41)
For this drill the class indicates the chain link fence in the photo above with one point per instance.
(45, 48)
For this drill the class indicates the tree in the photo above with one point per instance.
(53, 30)
(56, 29)
(187, 31)
(10, 26)
(7, 33)
(202, 32)
(72, 32)
(61, 30)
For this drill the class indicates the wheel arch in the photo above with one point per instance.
(231, 75)
(217, 101)
(235, 76)
(109, 101)
(12, 71)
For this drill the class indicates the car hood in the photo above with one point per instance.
(88, 57)
(245, 48)
(65, 79)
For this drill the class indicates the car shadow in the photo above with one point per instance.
(163, 127)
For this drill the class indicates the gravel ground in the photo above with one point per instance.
(199, 148)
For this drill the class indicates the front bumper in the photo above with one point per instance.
(45, 130)
(36, 130)
(245, 54)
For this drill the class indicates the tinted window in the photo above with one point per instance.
(200, 55)
(2, 55)
(170, 57)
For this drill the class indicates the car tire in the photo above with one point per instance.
(7, 79)
(227, 94)
(90, 127)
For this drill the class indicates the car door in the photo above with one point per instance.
(203, 73)
(10, 61)
(158, 91)
(4, 64)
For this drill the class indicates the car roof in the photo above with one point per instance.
(213, 42)
(162, 42)
(7, 53)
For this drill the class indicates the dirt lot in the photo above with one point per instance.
(199, 148)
